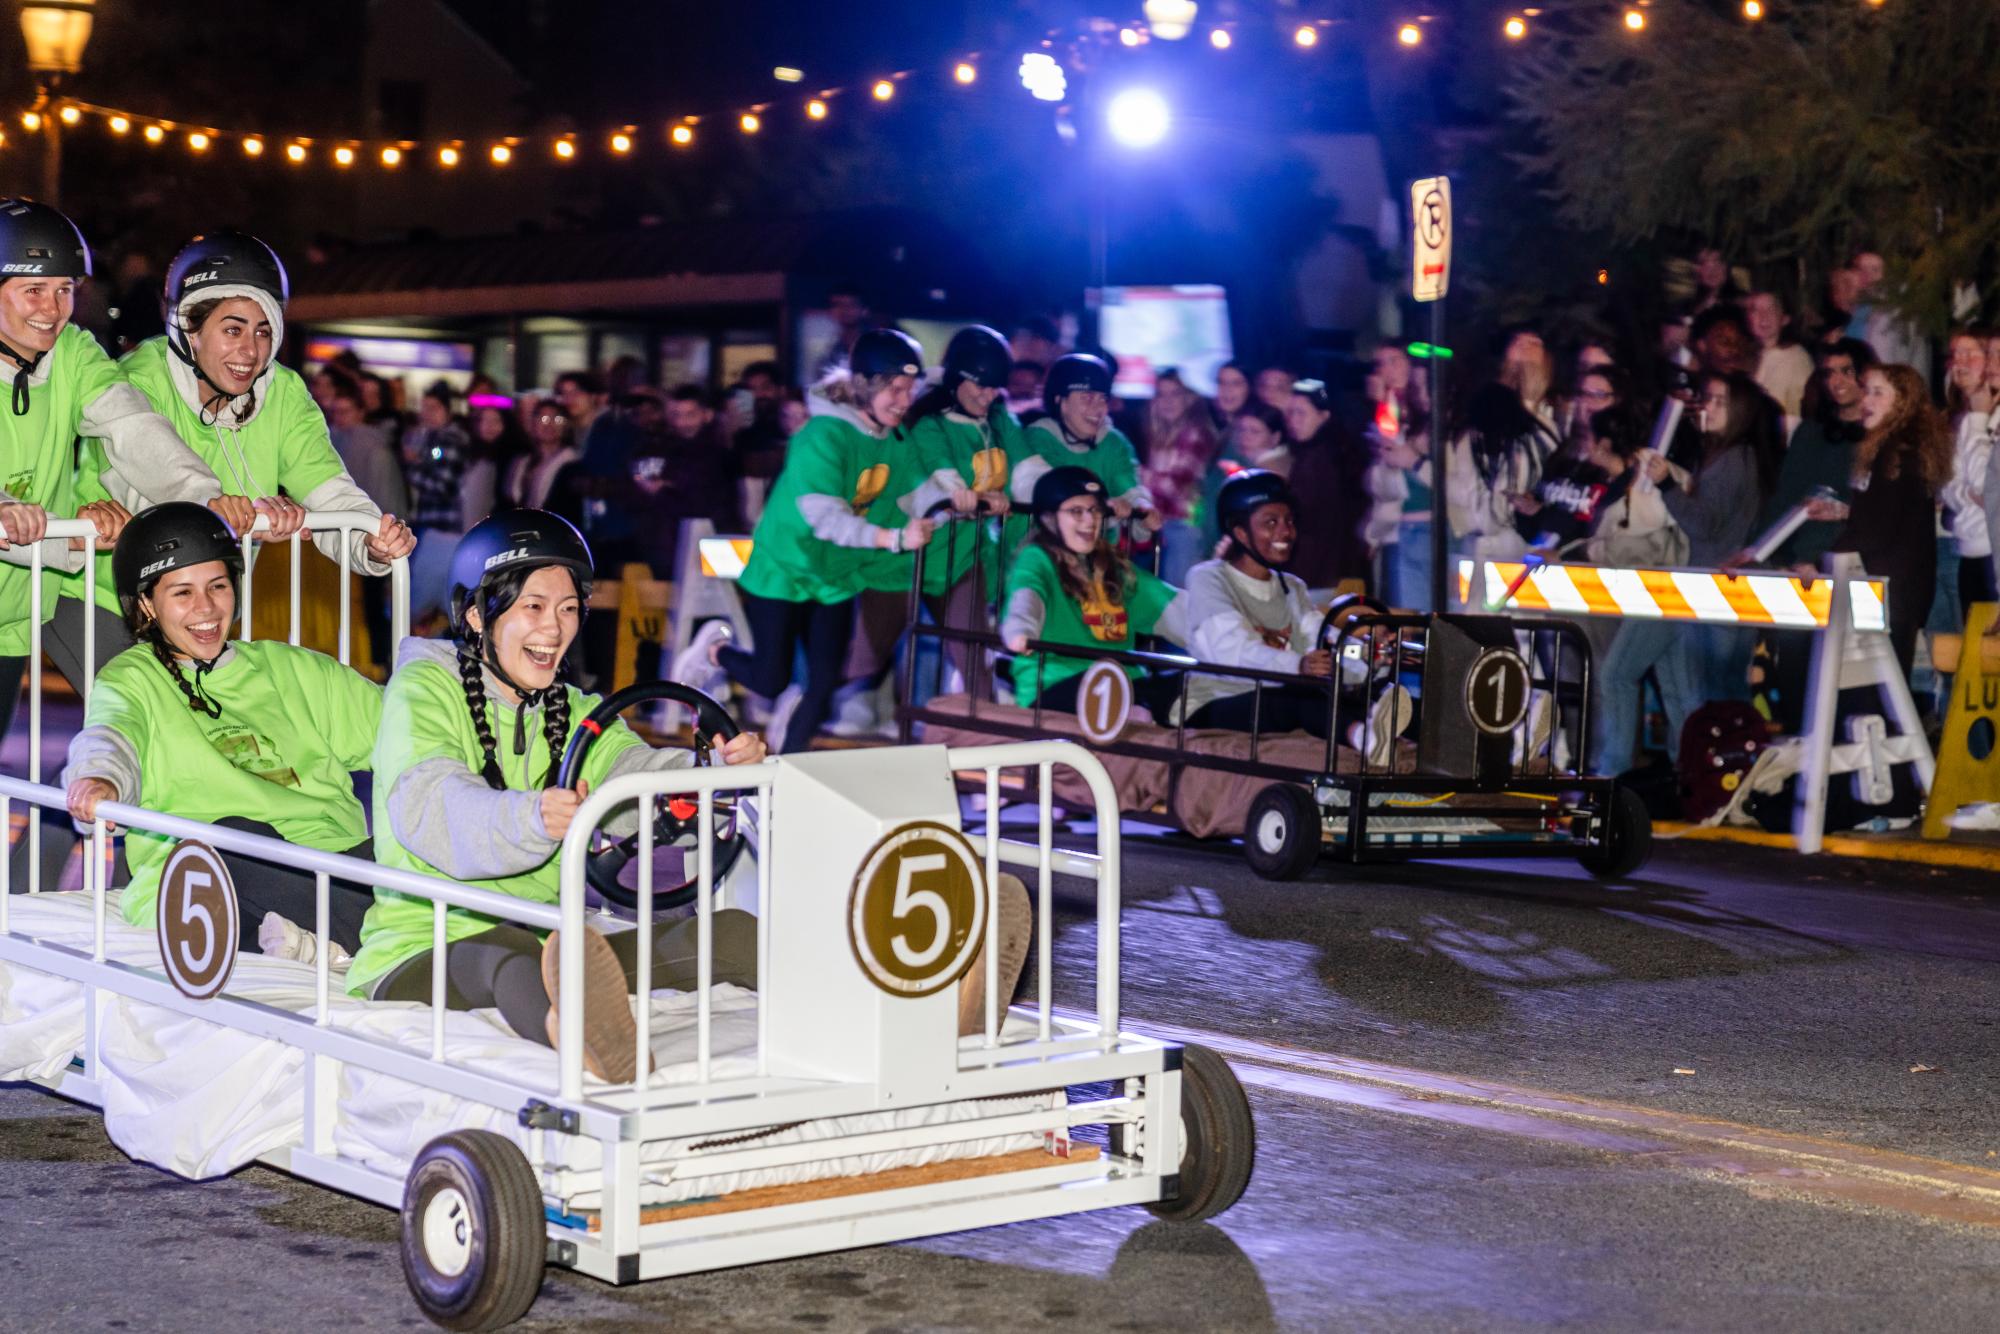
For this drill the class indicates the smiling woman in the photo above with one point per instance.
(261, 737)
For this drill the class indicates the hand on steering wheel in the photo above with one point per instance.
(675, 818)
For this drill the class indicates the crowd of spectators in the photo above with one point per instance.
(1674, 454)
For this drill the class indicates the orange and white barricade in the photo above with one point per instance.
(1847, 609)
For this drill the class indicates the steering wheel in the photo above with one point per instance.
(1343, 609)
(676, 819)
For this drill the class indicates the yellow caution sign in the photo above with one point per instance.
(1968, 756)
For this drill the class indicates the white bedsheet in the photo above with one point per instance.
(201, 1099)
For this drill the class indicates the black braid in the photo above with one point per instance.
(197, 701)
(474, 679)
(555, 726)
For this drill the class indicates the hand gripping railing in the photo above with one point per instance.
(61, 530)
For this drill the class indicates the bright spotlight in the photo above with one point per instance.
(1042, 76)
(1139, 118)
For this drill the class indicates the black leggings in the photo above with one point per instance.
(1295, 708)
(263, 887)
(1975, 582)
(776, 629)
(502, 968)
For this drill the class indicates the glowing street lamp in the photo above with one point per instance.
(55, 33)
(1139, 118)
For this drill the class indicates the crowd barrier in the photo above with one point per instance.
(1846, 610)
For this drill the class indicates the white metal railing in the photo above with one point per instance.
(345, 521)
(1045, 859)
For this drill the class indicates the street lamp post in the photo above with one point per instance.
(55, 31)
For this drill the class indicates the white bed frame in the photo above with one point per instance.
(829, 1044)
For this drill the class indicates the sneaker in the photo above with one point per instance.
(281, 938)
(695, 666)
(609, 1032)
(781, 720)
(1387, 717)
(1980, 815)
(1017, 929)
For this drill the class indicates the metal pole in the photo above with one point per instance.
(52, 158)
(1440, 449)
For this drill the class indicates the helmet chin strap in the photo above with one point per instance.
(222, 398)
(27, 367)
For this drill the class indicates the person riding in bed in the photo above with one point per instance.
(1245, 610)
(1067, 585)
(261, 737)
(473, 733)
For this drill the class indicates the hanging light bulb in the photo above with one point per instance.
(1753, 10)
(621, 142)
(31, 121)
(1516, 28)
(501, 155)
(816, 109)
(1409, 34)
(565, 149)
(448, 156)
(343, 156)
(119, 124)
(392, 156)
(69, 115)
(155, 133)
(253, 147)
(682, 135)
(750, 122)
(965, 72)
(295, 153)
(1220, 39)
(1635, 20)
(198, 141)
(1306, 36)
(883, 90)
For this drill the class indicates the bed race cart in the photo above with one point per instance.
(835, 1106)
(1458, 735)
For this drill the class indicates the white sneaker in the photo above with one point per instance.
(281, 938)
(695, 666)
(1387, 717)
(781, 719)
(1980, 815)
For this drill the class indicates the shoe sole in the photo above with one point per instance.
(610, 1036)
(1017, 931)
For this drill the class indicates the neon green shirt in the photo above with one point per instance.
(295, 726)
(829, 457)
(980, 455)
(37, 465)
(1106, 621)
(285, 445)
(424, 718)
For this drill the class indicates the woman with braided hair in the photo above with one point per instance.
(473, 733)
(262, 737)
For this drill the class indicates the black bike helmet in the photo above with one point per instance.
(1244, 493)
(37, 241)
(166, 538)
(978, 354)
(510, 540)
(885, 352)
(1078, 370)
(225, 259)
(1058, 486)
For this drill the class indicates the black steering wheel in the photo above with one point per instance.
(1342, 610)
(675, 818)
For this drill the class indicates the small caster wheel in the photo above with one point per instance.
(1218, 1139)
(475, 1240)
(1627, 841)
(1281, 839)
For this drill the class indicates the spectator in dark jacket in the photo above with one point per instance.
(1328, 476)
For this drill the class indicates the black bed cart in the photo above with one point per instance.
(1498, 713)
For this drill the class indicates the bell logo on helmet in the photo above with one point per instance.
(156, 567)
(515, 553)
(194, 278)
(20, 268)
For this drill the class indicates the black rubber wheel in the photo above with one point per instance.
(475, 1240)
(1218, 1139)
(1628, 841)
(1281, 837)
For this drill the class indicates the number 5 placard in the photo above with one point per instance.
(918, 909)
(197, 920)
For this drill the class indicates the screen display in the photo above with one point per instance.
(1151, 329)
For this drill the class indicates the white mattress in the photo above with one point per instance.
(201, 1099)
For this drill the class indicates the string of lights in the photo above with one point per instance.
(1042, 73)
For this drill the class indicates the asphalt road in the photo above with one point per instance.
(1799, 994)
